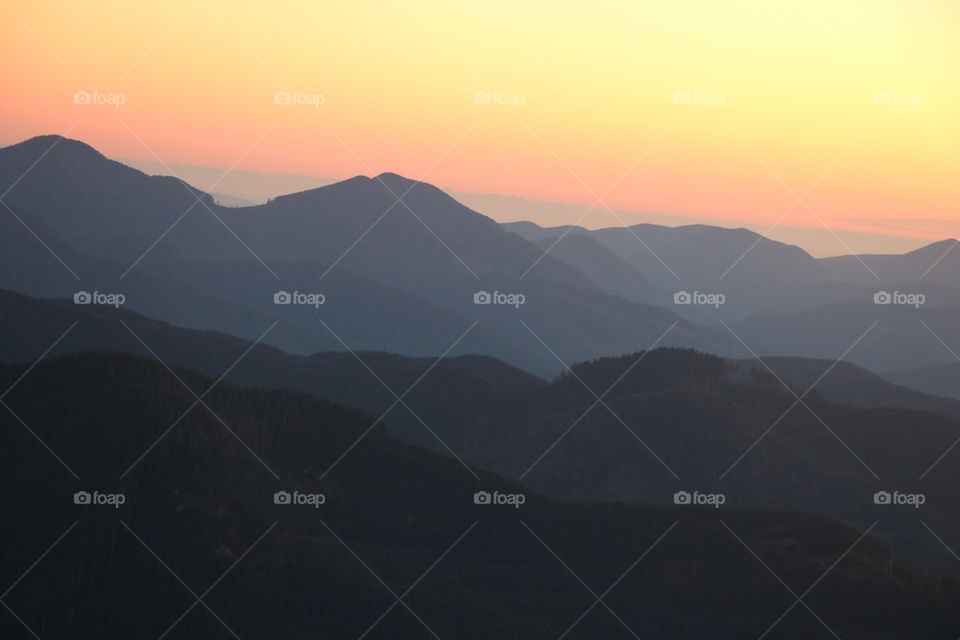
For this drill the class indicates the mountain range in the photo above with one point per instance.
(399, 263)
(513, 415)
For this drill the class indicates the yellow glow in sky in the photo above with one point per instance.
(804, 113)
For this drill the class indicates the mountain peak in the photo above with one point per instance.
(393, 181)
(66, 147)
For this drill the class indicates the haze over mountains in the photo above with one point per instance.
(244, 188)
(377, 342)
(393, 256)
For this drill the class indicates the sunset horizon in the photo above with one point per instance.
(414, 319)
(789, 121)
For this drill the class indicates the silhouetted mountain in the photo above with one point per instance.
(898, 338)
(697, 414)
(754, 273)
(847, 383)
(455, 386)
(941, 379)
(79, 192)
(936, 262)
(603, 267)
(372, 255)
(200, 549)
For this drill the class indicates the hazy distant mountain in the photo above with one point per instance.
(429, 255)
(936, 262)
(943, 379)
(898, 338)
(200, 517)
(752, 272)
(603, 267)
(698, 413)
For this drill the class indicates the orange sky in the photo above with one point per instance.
(720, 110)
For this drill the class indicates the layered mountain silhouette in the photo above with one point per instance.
(371, 254)
(400, 261)
(199, 515)
(670, 420)
(478, 427)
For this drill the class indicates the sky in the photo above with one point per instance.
(827, 115)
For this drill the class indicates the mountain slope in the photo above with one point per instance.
(427, 253)
(198, 517)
